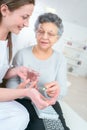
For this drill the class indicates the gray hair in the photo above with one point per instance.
(50, 17)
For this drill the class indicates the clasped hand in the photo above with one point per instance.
(35, 96)
(31, 77)
(32, 92)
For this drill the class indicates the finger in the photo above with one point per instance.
(23, 84)
(43, 98)
(43, 101)
(33, 84)
(22, 75)
(52, 101)
(51, 83)
(50, 90)
(36, 86)
(44, 104)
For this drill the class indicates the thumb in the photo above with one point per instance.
(33, 84)
(23, 84)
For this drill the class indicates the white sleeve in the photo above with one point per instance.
(15, 81)
(3, 57)
(3, 49)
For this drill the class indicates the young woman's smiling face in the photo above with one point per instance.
(15, 20)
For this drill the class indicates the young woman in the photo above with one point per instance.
(14, 15)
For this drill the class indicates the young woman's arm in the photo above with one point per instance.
(17, 71)
(7, 94)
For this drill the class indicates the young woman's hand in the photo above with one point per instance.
(23, 72)
(36, 97)
(32, 92)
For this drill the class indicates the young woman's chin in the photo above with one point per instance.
(17, 31)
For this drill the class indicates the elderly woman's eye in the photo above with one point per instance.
(40, 31)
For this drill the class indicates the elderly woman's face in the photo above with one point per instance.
(47, 35)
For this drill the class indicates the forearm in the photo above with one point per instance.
(10, 73)
(11, 94)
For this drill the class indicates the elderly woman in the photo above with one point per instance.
(49, 63)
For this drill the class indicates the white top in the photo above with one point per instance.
(4, 64)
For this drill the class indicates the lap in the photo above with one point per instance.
(36, 122)
(8, 108)
(11, 114)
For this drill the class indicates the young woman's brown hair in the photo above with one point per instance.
(15, 4)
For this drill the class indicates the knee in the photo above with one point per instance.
(24, 117)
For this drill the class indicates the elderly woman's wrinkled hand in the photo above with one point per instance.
(52, 90)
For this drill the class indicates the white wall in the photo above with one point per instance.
(74, 33)
(78, 35)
